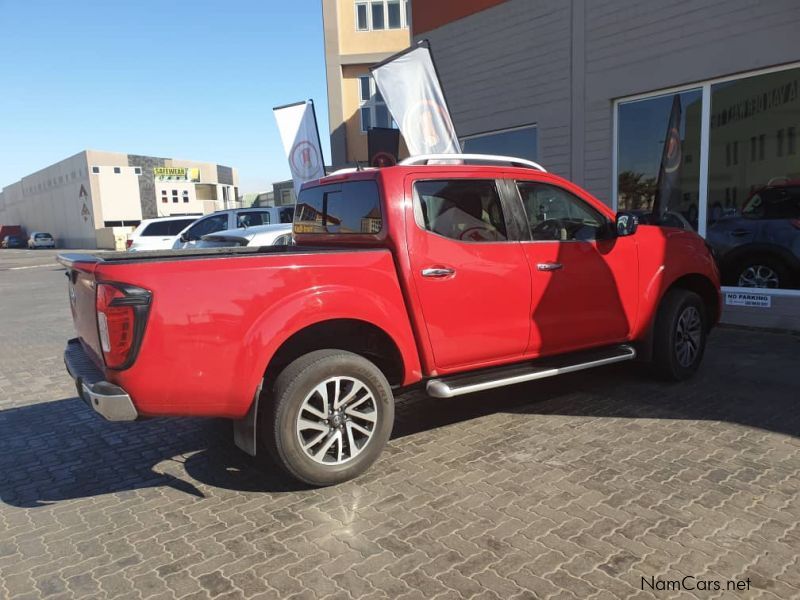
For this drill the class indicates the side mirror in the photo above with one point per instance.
(626, 224)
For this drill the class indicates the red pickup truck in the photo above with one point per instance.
(455, 278)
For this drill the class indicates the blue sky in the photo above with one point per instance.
(183, 79)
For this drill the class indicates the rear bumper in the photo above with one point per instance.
(106, 399)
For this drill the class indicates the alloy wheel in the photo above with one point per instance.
(759, 276)
(337, 420)
(688, 335)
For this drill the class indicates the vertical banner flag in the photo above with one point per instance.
(297, 124)
(668, 187)
(410, 87)
(383, 145)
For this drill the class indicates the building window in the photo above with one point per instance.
(372, 107)
(521, 142)
(95, 169)
(378, 15)
(362, 19)
(137, 170)
(393, 13)
(186, 195)
(175, 196)
(747, 210)
(117, 170)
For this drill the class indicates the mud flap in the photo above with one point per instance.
(244, 430)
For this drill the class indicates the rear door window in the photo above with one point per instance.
(249, 219)
(468, 210)
(350, 207)
(208, 225)
(157, 228)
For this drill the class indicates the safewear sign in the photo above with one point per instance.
(748, 299)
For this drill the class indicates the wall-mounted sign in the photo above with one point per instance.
(176, 173)
(748, 299)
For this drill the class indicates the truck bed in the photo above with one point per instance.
(217, 315)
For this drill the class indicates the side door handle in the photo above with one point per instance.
(437, 272)
(549, 266)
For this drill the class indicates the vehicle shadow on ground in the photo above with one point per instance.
(60, 450)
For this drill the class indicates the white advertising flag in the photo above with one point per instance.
(297, 124)
(411, 90)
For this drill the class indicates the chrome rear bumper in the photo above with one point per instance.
(106, 399)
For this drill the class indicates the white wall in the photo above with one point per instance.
(51, 200)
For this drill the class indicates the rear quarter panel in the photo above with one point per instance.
(215, 323)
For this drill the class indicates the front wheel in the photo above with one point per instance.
(332, 413)
(680, 334)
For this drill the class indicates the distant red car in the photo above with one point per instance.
(455, 277)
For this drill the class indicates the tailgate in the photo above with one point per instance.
(81, 290)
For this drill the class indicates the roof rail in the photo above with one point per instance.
(347, 170)
(514, 161)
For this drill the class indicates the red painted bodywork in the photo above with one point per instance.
(215, 322)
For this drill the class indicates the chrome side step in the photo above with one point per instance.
(448, 387)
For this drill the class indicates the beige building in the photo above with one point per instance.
(94, 199)
(359, 34)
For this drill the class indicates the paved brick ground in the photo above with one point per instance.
(571, 488)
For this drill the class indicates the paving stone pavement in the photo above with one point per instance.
(577, 487)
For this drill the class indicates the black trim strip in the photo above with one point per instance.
(289, 105)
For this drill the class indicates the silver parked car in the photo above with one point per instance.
(259, 235)
(41, 239)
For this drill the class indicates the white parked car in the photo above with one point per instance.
(233, 219)
(158, 234)
(41, 239)
(260, 235)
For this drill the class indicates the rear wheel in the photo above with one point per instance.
(680, 335)
(331, 415)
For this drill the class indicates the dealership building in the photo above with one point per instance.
(95, 199)
(589, 90)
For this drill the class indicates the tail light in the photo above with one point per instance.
(795, 223)
(121, 317)
(128, 244)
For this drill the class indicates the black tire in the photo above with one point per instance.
(295, 384)
(670, 359)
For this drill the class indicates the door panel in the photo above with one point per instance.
(474, 295)
(583, 277)
(589, 301)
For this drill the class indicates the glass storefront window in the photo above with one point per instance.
(520, 142)
(753, 218)
(658, 158)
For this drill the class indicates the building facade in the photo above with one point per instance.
(94, 199)
(589, 89)
(359, 34)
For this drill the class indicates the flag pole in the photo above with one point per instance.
(319, 139)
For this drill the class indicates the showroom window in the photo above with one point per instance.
(720, 158)
(521, 142)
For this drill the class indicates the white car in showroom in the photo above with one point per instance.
(258, 235)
